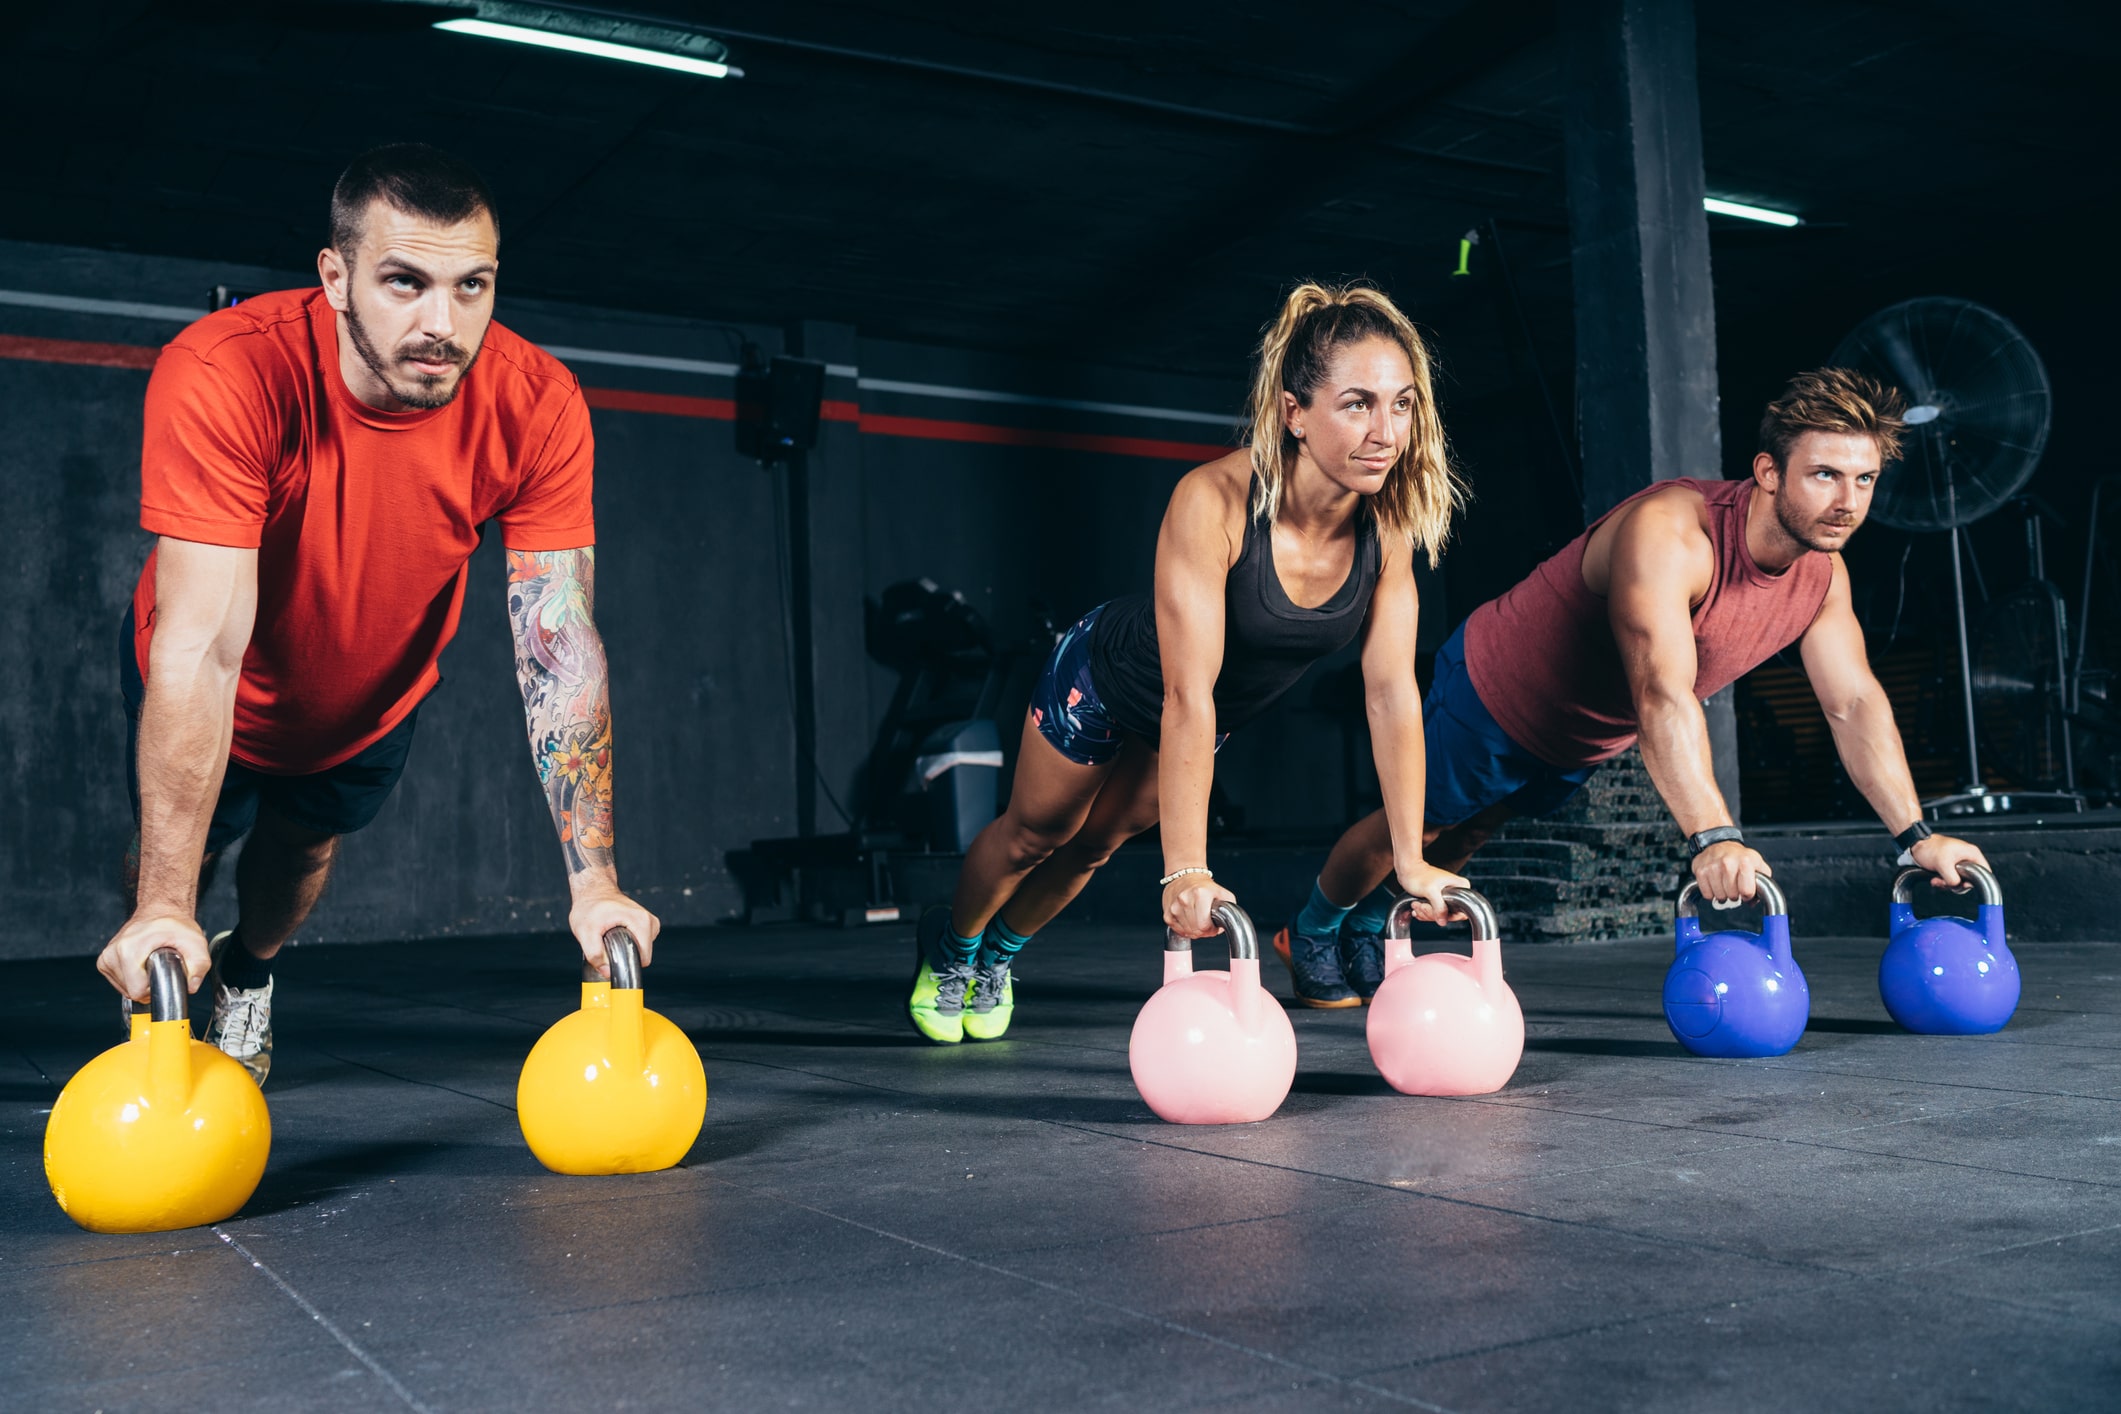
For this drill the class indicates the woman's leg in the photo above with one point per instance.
(1048, 803)
(1360, 861)
(1122, 809)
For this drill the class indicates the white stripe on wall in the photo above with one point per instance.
(180, 314)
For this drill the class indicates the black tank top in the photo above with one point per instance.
(1267, 640)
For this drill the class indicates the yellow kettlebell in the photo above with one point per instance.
(614, 1088)
(161, 1131)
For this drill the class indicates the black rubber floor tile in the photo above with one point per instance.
(931, 1334)
(418, 1254)
(2038, 1136)
(995, 1187)
(1777, 1099)
(146, 1332)
(1440, 1145)
(1858, 1344)
(1403, 1278)
(1829, 1208)
(2077, 1276)
(329, 1381)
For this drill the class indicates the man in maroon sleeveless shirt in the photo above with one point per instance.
(1674, 594)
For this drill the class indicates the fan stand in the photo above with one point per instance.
(1977, 798)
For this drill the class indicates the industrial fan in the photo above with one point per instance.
(1977, 418)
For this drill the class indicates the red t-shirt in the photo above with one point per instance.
(364, 521)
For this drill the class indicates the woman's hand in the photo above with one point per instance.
(1425, 883)
(1189, 900)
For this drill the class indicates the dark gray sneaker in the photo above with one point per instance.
(1314, 966)
(1362, 962)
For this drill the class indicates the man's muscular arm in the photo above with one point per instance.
(1661, 559)
(1865, 734)
(206, 598)
(567, 709)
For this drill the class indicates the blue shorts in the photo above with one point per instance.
(1065, 705)
(335, 801)
(1473, 763)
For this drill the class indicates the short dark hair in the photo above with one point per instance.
(416, 179)
(1833, 400)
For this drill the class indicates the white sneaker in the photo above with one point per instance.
(242, 1023)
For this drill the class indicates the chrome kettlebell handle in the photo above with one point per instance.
(1768, 895)
(1236, 926)
(622, 955)
(1983, 879)
(167, 994)
(166, 985)
(1478, 911)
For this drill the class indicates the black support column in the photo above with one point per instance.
(832, 724)
(1645, 307)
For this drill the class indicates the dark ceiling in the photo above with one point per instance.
(1129, 182)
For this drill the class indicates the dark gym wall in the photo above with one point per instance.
(689, 565)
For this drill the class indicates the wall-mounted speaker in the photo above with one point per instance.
(777, 406)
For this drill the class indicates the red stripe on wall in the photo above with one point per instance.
(74, 351)
(669, 404)
(924, 428)
(934, 430)
(20, 346)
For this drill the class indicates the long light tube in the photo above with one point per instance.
(1721, 207)
(599, 48)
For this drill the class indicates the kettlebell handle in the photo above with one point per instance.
(622, 955)
(165, 985)
(1991, 891)
(1236, 926)
(1771, 900)
(165, 990)
(1478, 911)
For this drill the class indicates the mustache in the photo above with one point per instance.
(443, 352)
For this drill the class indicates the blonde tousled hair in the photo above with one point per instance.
(1834, 400)
(1421, 490)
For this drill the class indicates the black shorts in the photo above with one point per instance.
(334, 801)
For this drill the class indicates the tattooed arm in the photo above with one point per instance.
(567, 708)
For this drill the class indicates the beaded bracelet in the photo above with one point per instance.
(1165, 882)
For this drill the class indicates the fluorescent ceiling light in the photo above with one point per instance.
(599, 48)
(1749, 213)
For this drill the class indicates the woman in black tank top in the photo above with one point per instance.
(1270, 559)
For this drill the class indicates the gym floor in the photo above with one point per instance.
(1876, 1221)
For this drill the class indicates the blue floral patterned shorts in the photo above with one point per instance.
(1065, 705)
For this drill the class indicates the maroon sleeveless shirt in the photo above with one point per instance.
(1542, 656)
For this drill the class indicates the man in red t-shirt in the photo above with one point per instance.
(317, 464)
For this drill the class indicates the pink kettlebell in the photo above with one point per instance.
(1213, 1047)
(1442, 1024)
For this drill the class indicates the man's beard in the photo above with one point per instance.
(428, 390)
(1808, 535)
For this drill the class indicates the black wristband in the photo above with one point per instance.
(1714, 835)
(1913, 835)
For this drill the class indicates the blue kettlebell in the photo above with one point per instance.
(1946, 976)
(1733, 993)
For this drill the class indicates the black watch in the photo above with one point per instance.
(1714, 835)
(1914, 834)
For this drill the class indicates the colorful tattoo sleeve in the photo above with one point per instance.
(566, 695)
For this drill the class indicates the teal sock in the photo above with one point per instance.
(1371, 915)
(1320, 917)
(1004, 941)
(960, 949)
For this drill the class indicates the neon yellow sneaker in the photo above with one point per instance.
(993, 1000)
(940, 981)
